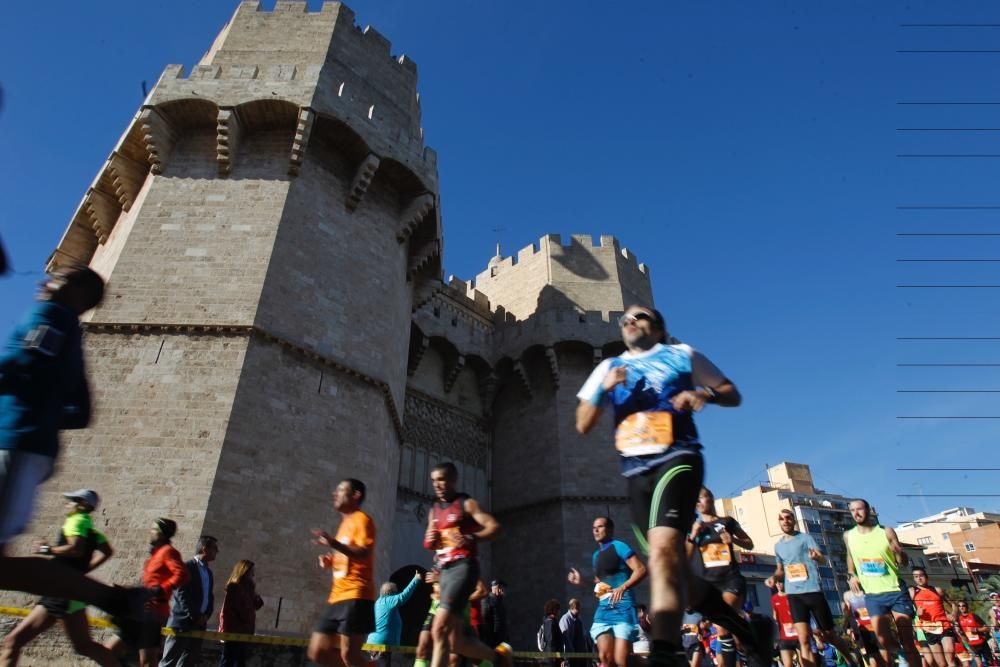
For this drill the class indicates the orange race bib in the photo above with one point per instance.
(796, 572)
(602, 591)
(716, 554)
(863, 614)
(933, 627)
(449, 540)
(644, 433)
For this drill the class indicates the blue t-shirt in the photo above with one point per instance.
(652, 378)
(43, 387)
(801, 573)
(610, 567)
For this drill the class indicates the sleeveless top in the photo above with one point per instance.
(874, 560)
(451, 520)
(931, 616)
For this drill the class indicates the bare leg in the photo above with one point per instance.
(606, 649)
(325, 650)
(787, 658)
(668, 570)
(79, 634)
(948, 649)
(350, 650)
(34, 624)
(904, 628)
(623, 649)
(805, 647)
(831, 637)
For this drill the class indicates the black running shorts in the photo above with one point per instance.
(804, 605)
(348, 617)
(457, 583)
(667, 494)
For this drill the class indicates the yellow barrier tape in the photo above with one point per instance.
(101, 622)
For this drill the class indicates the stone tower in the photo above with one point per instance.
(266, 224)
(276, 321)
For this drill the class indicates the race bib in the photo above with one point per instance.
(796, 572)
(788, 631)
(716, 554)
(644, 433)
(602, 591)
(972, 636)
(933, 627)
(340, 563)
(449, 541)
(873, 567)
(863, 614)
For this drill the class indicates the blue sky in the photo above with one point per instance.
(746, 152)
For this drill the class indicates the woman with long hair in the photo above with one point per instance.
(239, 612)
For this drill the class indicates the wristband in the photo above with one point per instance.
(713, 396)
(45, 550)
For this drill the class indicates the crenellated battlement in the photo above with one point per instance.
(580, 274)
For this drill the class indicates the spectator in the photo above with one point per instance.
(550, 638)
(388, 622)
(495, 629)
(574, 637)
(191, 607)
(239, 612)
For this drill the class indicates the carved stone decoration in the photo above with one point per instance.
(159, 136)
(103, 211)
(451, 373)
(422, 257)
(303, 129)
(362, 179)
(127, 176)
(522, 374)
(550, 354)
(436, 427)
(415, 212)
(228, 133)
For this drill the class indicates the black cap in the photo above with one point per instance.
(166, 526)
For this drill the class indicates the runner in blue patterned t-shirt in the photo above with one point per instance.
(617, 569)
(654, 389)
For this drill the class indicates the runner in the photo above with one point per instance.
(788, 638)
(654, 390)
(425, 642)
(975, 633)
(84, 548)
(857, 613)
(932, 618)
(712, 539)
(350, 611)
(617, 569)
(163, 572)
(455, 525)
(874, 557)
(796, 558)
(43, 389)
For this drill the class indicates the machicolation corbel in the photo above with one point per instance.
(228, 132)
(159, 136)
(522, 375)
(103, 211)
(550, 354)
(451, 374)
(303, 128)
(362, 179)
(127, 176)
(415, 212)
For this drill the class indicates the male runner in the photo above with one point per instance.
(617, 570)
(932, 618)
(84, 548)
(796, 556)
(712, 539)
(874, 557)
(350, 611)
(654, 390)
(855, 610)
(455, 525)
(975, 633)
(788, 636)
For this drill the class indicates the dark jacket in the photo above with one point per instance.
(494, 620)
(239, 608)
(574, 637)
(552, 636)
(185, 605)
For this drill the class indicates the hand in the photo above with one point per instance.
(41, 548)
(432, 536)
(616, 594)
(573, 577)
(690, 400)
(725, 536)
(466, 539)
(432, 576)
(322, 538)
(416, 574)
(615, 377)
(769, 582)
(815, 555)
(326, 561)
(852, 581)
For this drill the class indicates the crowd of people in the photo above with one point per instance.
(686, 552)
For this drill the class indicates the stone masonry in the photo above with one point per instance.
(252, 215)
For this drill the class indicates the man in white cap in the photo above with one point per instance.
(82, 547)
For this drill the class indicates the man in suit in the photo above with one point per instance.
(191, 607)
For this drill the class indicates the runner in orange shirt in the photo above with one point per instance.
(933, 619)
(350, 611)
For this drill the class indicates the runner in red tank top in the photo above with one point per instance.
(975, 632)
(788, 638)
(933, 619)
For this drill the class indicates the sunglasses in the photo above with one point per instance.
(629, 318)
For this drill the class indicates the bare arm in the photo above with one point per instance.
(726, 396)
(779, 574)
(588, 412)
(491, 528)
(101, 555)
(638, 574)
(901, 558)
(741, 539)
(852, 576)
(352, 551)
(75, 547)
